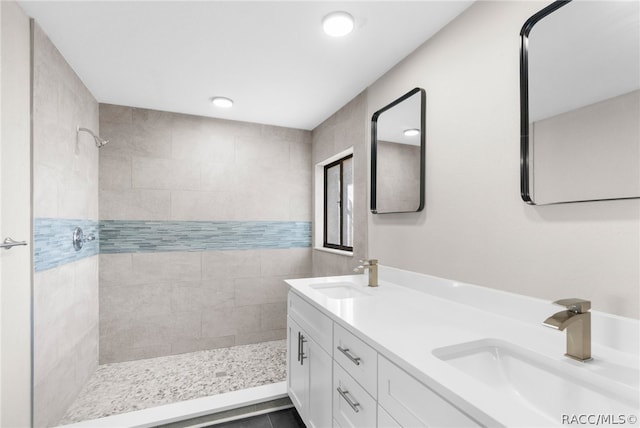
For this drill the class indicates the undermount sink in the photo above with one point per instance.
(340, 290)
(551, 387)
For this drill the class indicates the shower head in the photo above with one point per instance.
(99, 141)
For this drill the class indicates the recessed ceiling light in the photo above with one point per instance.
(411, 132)
(222, 102)
(338, 24)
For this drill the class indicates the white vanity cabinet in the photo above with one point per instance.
(408, 403)
(334, 378)
(309, 363)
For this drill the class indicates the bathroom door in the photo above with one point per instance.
(15, 216)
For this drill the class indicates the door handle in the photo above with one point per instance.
(9, 243)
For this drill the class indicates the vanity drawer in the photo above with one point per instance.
(356, 357)
(385, 420)
(352, 405)
(413, 404)
(314, 322)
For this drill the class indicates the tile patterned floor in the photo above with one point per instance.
(134, 385)
(287, 418)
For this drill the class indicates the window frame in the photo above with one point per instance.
(325, 244)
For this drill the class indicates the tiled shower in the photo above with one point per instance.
(200, 221)
(197, 221)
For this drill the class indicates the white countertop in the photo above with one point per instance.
(409, 315)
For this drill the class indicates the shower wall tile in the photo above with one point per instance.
(65, 335)
(194, 212)
(115, 173)
(218, 323)
(201, 296)
(231, 264)
(255, 151)
(202, 147)
(115, 114)
(135, 204)
(65, 194)
(273, 316)
(148, 236)
(259, 169)
(254, 291)
(178, 266)
(260, 336)
(203, 344)
(53, 241)
(200, 206)
(136, 301)
(219, 177)
(246, 318)
(115, 269)
(192, 300)
(149, 173)
(285, 262)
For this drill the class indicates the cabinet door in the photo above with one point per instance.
(297, 374)
(319, 364)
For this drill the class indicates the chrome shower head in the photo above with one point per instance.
(99, 141)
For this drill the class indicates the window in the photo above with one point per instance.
(338, 204)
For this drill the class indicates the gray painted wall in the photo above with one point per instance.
(475, 228)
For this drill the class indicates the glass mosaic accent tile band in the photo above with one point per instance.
(54, 247)
(123, 236)
(53, 241)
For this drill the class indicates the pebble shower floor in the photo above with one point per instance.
(135, 385)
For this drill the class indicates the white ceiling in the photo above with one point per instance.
(270, 57)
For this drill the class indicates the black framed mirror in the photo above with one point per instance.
(580, 102)
(398, 155)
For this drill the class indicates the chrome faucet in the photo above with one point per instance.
(577, 321)
(372, 266)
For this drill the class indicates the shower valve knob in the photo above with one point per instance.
(79, 238)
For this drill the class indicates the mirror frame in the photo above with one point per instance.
(374, 140)
(525, 143)
(525, 167)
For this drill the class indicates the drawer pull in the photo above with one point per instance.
(355, 360)
(354, 404)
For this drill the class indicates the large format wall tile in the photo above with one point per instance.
(65, 195)
(256, 172)
(154, 304)
(201, 221)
